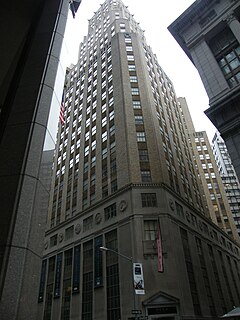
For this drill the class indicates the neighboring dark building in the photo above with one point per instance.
(209, 33)
(123, 171)
(228, 175)
(31, 39)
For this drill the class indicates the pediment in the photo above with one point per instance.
(161, 298)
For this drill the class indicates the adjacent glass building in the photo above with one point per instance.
(229, 177)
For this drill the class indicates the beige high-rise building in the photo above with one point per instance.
(214, 193)
(124, 179)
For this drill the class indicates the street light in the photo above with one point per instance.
(129, 259)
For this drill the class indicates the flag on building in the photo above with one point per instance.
(74, 4)
(61, 115)
(159, 250)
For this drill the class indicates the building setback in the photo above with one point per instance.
(229, 177)
(209, 33)
(124, 179)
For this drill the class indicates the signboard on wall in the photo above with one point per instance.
(138, 278)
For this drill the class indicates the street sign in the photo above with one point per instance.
(136, 311)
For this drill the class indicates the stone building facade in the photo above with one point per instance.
(209, 33)
(124, 179)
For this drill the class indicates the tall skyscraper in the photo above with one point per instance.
(229, 177)
(213, 191)
(209, 33)
(124, 179)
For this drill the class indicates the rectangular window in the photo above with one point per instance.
(131, 67)
(130, 57)
(150, 229)
(76, 270)
(110, 211)
(138, 120)
(143, 155)
(69, 233)
(53, 241)
(190, 272)
(226, 50)
(141, 137)
(135, 91)
(87, 223)
(49, 288)
(149, 199)
(146, 176)
(66, 287)
(58, 273)
(112, 278)
(98, 262)
(136, 104)
(87, 286)
(133, 79)
(42, 281)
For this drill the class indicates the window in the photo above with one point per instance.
(135, 91)
(143, 155)
(150, 229)
(53, 241)
(149, 199)
(87, 223)
(130, 57)
(114, 186)
(133, 79)
(226, 50)
(138, 119)
(110, 211)
(69, 232)
(141, 137)
(131, 67)
(136, 104)
(122, 27)
(146, 176)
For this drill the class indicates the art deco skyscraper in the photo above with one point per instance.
(123, 175)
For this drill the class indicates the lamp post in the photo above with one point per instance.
(129, 259)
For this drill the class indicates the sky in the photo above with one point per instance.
(154, 17)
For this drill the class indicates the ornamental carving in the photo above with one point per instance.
(78, 228)
(98, 218)
(60, 237)
(123, 205)
(171, 204)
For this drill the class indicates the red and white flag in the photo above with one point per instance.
(61, 115)
(159, 250)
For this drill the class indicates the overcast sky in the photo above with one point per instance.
(154, 17)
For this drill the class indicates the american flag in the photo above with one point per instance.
(159, 251)
(61, 115)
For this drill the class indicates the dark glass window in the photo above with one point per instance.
(149, 199)
(150, 229)
(112, 278)
(110, 211)
(226, 50)
(143, 155)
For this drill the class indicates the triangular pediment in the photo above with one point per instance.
(161, 298)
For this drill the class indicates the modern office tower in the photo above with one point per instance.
(229, 177)
(209, 33)
(124, 179)
(31, 40)
(213, 191)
